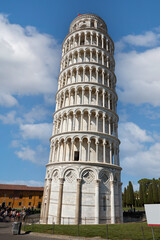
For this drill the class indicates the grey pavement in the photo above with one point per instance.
(6, 234)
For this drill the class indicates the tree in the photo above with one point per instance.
(130, 195)
(158, 190)
(150, 194)
(144, 193)
(141, 194)
(124, 197)
(155, 191)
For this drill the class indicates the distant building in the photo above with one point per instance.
(20, 196)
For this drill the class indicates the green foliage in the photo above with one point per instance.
(141, 199)
(155, 191)
(124, 197)
(150, 194)
(130, 195)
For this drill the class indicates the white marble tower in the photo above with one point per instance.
(83, 178)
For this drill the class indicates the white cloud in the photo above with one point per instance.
(38, 156)
(137, 158)
(10, 118)
(37, 113)
(32, 183)
(29, 62)
(148, 39)
(138, 72)
(7, 100)
(41, 131)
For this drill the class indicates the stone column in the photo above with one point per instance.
(64, 152)
(82, 121)
(59, 210)
(97, 97)
(72, 149)
(76, 75)
(82, 96)
(59, 146)
(83, 74)
(74, 121)
(91, 38)
(107, 46)
(89, 144)
(109, 126)
(80, 150)
(97, 151)
(48, 200)
(104, 151)
(90, 55)
(61, 128)
(112, 203)
(107, 62)
(109, 106)
(85, 38)
(79, 40)
(97, 201)
(97, 39)
(89, 121)
(104, 123)
(102, 58)
(78, 57)
(110, 153)
(103, 76)
(97, 75)
(97, 122)
(53, 155)
(103, 98)
(97, 56)
(108, 78)
(90, 100)
(115, 160)
(102, 41)
(90, 71)
(75, 97)
(78, 197)
(67, 123)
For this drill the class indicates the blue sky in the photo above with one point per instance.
(31, 34)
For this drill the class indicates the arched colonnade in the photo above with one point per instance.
(90, 95)
(88, 55)
(85, 149)
(87, 73)
(88, 37)
(85, 120)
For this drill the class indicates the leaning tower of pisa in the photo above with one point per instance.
(83, 177)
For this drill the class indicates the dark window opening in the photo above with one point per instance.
(29, 204)
(39, 204)
(9, 204)
(76, 156)
(30, 197)
(20, 196)
(40, 197)
(10, 196)
(20, 203)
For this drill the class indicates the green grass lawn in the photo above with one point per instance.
(136, 208)
(126, 231)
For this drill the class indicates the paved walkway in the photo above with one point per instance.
(6, 234)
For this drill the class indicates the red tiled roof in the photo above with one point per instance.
(19, 187)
